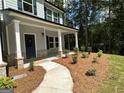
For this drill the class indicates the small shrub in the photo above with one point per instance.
(95, 60)
(31, 65)
(89, 49)
(91, 72)
(85, 55)
(76, 50)
(99, 54)
(6, 82)
(66, 52)
(83, 48)
(74, 59)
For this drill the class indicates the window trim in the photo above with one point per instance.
(32, 5)
(48, 15)
(54, 42)
(55, 17)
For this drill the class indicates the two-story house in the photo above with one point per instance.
(33, 29)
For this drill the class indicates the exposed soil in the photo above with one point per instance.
(28, 83)
(83, 83)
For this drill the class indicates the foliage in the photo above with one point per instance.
(85, 55)
(6, 82)
(74, 59)
(76, 50)
(99, 54)
(82, 48)
(66, 52)
(91, 72)
(31, 65)
(95, 60)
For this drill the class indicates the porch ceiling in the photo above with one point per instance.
(28, 19)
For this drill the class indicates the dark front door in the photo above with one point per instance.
(30, 46)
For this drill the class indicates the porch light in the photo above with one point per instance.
(42, 34)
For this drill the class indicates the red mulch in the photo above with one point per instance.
(29, 83)
(83, 83)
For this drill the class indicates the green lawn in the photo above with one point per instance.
(115, 81)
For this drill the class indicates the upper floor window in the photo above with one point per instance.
(27, 5)
(49, 15)
(55, 15)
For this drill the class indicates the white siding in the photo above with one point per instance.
(12, 4)
(40, 8)
(0, 4)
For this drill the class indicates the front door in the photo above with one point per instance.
(30, 46)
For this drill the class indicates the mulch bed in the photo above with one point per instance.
(83, 83)
(28, 83)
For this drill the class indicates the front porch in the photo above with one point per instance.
(31, 38)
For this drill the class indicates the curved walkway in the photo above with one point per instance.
(56, 80)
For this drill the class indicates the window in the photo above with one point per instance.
(56, 41)
(55, 17)
(28, 6)
(49, 15)
(51, 42)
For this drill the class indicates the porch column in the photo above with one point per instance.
(19, 58)
(60, 42)
(45, 39)
(76, 40)
(2, 64)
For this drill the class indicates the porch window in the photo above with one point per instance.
(56, 41)
(49, 15)
(55, 17)
(51, 42)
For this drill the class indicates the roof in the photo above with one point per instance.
(33, 16)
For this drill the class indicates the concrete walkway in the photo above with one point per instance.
(56, 80)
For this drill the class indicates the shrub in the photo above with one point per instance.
(83, 48)
(31, 65)
(85, 55)
(66, 52)
(6, 82)
(74, 59)
(95, 60)
(76, 50)
(99, 54)
(91, 72)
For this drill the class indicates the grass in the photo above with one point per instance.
(115, 81)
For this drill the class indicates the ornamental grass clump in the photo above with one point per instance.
(31, 65)
(85, 55)
(99, 54)
(91, 72)
(83, 48)
(76, 50)
(6, 82)
(95, 60)
(74, 59)
(66, 52)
